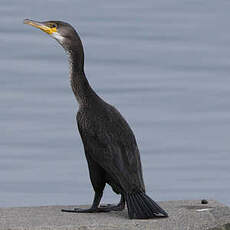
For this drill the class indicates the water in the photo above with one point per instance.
(165, 65)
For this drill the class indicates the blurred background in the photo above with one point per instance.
(164, 64)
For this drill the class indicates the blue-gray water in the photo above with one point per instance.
(164, 64)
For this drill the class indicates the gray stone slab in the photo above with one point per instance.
(183, 215)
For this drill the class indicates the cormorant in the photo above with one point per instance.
(109, 143)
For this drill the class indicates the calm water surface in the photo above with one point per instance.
(165, 65)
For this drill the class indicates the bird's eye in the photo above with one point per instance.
(53, 26)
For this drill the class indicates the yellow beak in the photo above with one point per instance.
(41, 26)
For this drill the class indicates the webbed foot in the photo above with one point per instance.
(111, 207)
(87, 210)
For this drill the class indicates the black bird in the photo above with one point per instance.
(109, 143)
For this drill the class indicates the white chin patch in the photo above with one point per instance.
(57, 36)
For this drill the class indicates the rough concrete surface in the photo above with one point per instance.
(183, 215)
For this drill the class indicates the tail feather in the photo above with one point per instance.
(146, 207)
(138, 207)
(141, 206)
(157, 207)
(130, 207)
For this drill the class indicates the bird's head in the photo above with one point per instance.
(63, 32)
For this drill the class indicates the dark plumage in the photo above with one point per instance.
(110, 145)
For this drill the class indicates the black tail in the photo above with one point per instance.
(140, 206)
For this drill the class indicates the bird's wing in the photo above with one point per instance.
(111, 143)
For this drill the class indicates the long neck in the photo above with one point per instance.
(79, 83)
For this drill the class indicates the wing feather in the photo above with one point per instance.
(110, 142)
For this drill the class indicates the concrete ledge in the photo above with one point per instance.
(184, 215)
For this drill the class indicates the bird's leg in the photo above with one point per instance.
(93, 208)
(119, 207)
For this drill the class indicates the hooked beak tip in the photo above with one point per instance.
(26, 21)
